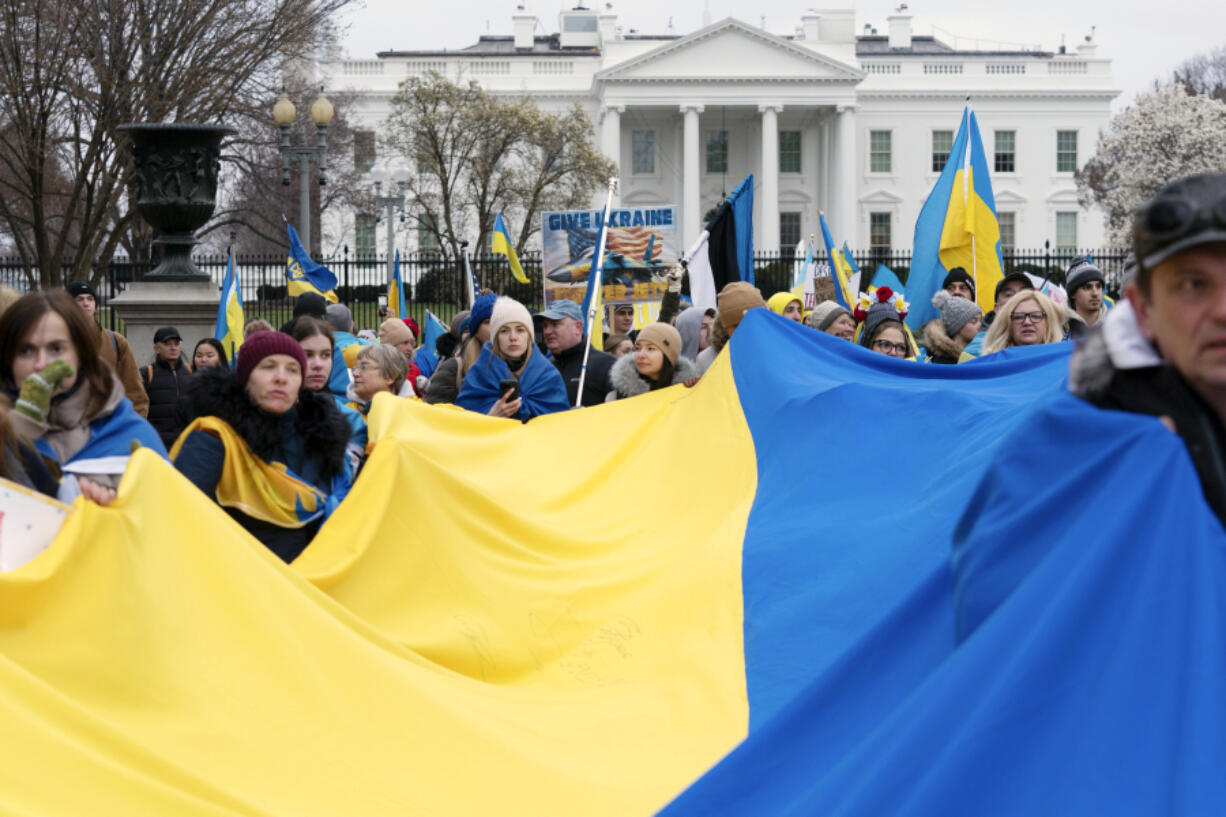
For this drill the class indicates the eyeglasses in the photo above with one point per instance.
(367, 366)
(1032, 317)
(889, 347)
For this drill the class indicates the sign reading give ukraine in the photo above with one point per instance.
(642, 244)
(850, 585)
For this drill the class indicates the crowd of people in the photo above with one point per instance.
(277, 436)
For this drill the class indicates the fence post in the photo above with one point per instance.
(348, 290)
(1047, 258)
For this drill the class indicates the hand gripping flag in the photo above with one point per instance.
(395, 291)
(957, 227)
(229, 328)
(304, 275)
(502, 246)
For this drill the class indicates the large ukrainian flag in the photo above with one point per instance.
(934, 616)
(957, 227)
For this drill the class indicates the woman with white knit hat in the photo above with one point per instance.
(509, 355)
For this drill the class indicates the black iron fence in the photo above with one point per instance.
(436, 283)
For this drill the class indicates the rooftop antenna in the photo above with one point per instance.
(669, 30)
(762, 21)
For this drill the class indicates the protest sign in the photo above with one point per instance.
(642, 245)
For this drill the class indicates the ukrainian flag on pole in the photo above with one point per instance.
(838, 268)
(229, 328)
(502, 246)
(591, 299)
(957, 227)
(304, 275)
(395, 292)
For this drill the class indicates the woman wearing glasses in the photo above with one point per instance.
(379, 367)
(881, 313)
(1027, 319)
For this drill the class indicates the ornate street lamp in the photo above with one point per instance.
(321, 113)
(391, 202)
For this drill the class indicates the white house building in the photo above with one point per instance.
(847, 120)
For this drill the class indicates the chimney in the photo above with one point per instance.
(838, 26)
(608, 24)
(810, 23)
(1088, 49)
(900, 28)
(525, 25)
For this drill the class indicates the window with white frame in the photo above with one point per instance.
(942, 146)
(789, 151)
(1006, 151)
(789, 230)
(717, 151)
(1066, 232)
(364, 235)
(644, 142)
(880, 159)
(879, 238)
(1007, 220)
(1066, 151)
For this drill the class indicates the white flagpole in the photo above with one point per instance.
(597, 271)
(468, 276)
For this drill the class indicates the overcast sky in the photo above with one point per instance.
(1144, 41)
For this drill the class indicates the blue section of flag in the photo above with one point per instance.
(230, 312)
(594, 281)
(841, 294)
(885, 277)
(303, 274)
(982, 645)
(741, 200)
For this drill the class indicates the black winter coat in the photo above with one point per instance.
(310, 439)
(597, 383)
(166, 386)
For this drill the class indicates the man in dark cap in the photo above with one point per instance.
(1163, 350)
(960, 284)
(1084, 284)
(112, 347)
(166, 382)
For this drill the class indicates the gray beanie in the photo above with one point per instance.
(956, 312)
(826, 313)
(1081, 272)
(340, 317)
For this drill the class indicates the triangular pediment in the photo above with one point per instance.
(881, 196)
(731, 50)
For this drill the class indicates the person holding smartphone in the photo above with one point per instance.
(510, 378)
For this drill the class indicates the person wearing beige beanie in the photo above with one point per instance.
(655, 364)
(394, 332)
(734, 300)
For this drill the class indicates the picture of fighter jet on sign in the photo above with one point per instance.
(632, 256)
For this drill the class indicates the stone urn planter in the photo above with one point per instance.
(176, 176)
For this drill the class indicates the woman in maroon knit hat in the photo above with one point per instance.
(264, 446)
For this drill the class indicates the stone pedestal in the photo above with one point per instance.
(189, 306)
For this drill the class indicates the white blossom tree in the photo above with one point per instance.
(1165, 134)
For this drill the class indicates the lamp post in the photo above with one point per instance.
(283, 114)
(391, 202)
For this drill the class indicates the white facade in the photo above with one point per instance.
(822, 118)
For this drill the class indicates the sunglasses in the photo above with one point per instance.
(1172, 217)
(1022, 317)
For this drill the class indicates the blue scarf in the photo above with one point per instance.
(110, 442)
(540, 385)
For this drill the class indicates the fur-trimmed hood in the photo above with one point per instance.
(938, 341)
(628, 383)
(1115, 342)
(216, 392)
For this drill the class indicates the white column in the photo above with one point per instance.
(691, 202)
(768, 186)
(611, 133)
(846, 186)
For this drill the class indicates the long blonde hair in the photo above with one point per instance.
(1000, 336)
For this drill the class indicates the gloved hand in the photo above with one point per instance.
(674, 275)
(34, 399)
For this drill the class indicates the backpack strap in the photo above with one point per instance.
(115, 345)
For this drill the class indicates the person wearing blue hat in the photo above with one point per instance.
(564, 337)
